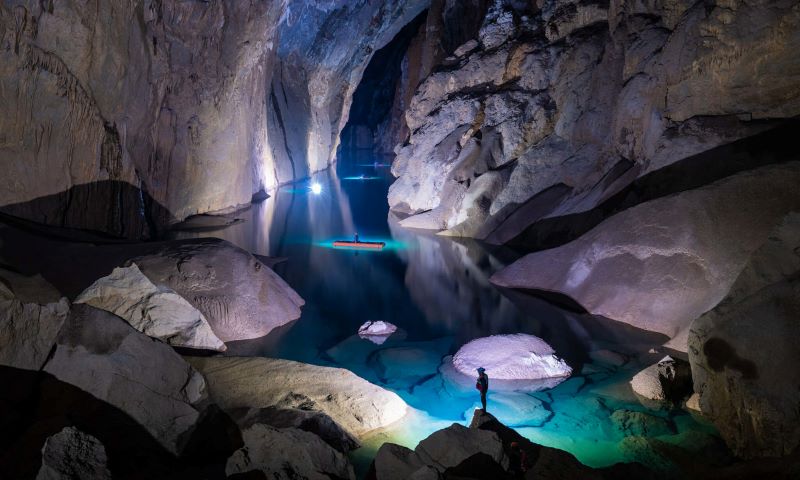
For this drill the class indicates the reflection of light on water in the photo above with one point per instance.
(361, 177)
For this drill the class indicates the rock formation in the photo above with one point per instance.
(511, 357)
(28, 330)
(666, 383)
(72, 454)
(700, 238)
(556, 108)
(744, 356)
(145, 378)
(239, 296)
(155, 311)
(481, 452)
(123, 118)
(355, 404)
(287, 454)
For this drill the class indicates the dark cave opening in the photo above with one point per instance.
(374, 107)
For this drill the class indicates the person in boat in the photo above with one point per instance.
(482, 385)
(355, 237)
(516, 461)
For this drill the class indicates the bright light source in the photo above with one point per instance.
(316, 188)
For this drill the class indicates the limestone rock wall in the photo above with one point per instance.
(125, 116)
(573, 100)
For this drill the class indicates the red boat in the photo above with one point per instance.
(353, 244)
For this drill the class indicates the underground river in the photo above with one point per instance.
(436, 290)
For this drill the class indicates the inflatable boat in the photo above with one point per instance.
(353, 244)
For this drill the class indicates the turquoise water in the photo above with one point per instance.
(436, 290)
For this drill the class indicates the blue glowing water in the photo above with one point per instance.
(436, 290)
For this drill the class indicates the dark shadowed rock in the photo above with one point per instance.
(73, 455)
(665, 383)
(103, 355)
(630, 423)
(239, 296)
(311, 421)
(744, 356)
(287, 454)
(28, 330)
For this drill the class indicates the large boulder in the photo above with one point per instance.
(155, 311)
(239, 296)
(352, 402)
(73, 455)
(511, 357)
(103, 355)
(288, 454)
(744, 356)
(661, 264)
(667, 382)
(28, 330)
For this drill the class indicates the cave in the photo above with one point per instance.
(396, 239)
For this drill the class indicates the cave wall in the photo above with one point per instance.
(565, 102)
(126, 116)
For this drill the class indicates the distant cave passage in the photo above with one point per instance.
(375, 122)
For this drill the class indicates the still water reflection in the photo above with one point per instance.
(436, 290)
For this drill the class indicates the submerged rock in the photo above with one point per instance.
(287, 454)
(73, 455)
(352, 402)
(156, 311)
(511, 357)
(744, 356)
(103, 355)
(667, 382)
(239, 296)
(631, 423)
(661, 264)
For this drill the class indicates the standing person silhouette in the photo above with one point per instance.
(355, 238)
(482, 385)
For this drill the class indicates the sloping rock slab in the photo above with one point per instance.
(101, 354)
(239, 296)
(352, 402)
(155, 311)
(661, 264)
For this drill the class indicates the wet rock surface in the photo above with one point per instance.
(667, 382)
(744, 360)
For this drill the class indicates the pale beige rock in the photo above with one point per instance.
(156, 311)
(663, 263)
(352, 402)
